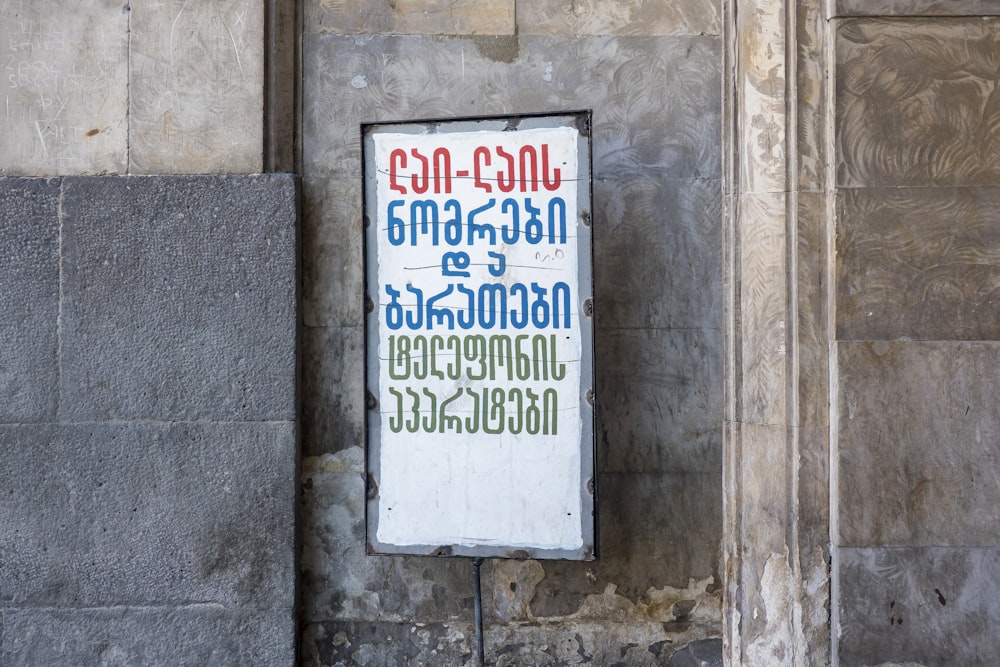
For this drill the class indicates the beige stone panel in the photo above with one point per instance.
(410, 17)
(763, 343)
(810, 153)
(618, 17)
(762, 563)
(64, 87)
(196, 86)
(761, 111)
(917, 102)
(917, 455)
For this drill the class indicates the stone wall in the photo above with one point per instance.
(917, 322)
(147, 420)
(861, 329)
(651, 74)
(147, 339)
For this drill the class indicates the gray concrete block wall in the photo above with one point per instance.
(917, 335)
(149, 430)
(651, 74)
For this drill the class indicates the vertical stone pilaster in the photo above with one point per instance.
(776, 447)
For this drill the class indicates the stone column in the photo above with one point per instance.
(776, 448)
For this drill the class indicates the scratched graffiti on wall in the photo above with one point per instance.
(479, 344)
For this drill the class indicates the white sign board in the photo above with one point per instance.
(479, 337)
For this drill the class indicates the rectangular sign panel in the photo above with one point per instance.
(479, 337)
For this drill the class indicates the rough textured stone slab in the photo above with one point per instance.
(333, 389)
(196, 81)
(934, 606)
(145, 514)
(934, 121)
(179, 298)
(332, 270)
(659, 397)
(919, 263)
(917, 444)
(658, 253)
(188, 635)
(405, 17)
(655, 100)
(29, 299)
(65, 87)
(917, 8)
(610, 17)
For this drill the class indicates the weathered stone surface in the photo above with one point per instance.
(333, 394)
(188, 635)
(659, 398)
(763, 302)
(454, 645)
(654, 99)
(65, 87)
(606, 17)
(705, 653)
(29, 299)
(178, 298)
(811, 94)
(927, 606)
(813, 550)
(918, 426)
(657, 253)
(916, 8)
(776, 375)
(404, 17)
(638, 576)
(656, 167)
(919, 263)
(761, 97)
(196, 81)
(934, 121)
(146, 514)
(811, 333)
(764, 464)
(332, 269)
(658, 534)
(341, 582)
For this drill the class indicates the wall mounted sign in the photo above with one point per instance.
(479, 337)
